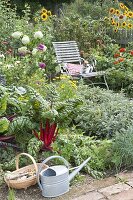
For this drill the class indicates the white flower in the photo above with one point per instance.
(25, 40)
(1, 63)
(38, 35)
(22, 50)
(16, 35)
(17, 62)
(34, 51)
(9, 66)
(2, 56)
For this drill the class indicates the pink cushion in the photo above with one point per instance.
(74, 69)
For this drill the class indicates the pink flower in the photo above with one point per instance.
(41, 47)
(42, 65)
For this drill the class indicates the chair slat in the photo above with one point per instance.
(66, 49)
(69, 61)
(68, 56)
(65, 42)
(67, 52)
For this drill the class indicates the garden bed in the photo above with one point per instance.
(34, 193)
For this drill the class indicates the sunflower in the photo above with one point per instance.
(113, 23)
(130, 14)
(118, 24)
(124, 24)
(117, 12)
(116, 30)
(112, 11)
(129, 26)
(126, 8)
(125, 13)
(121, 5)
(44, 16)
(112, 19)
(49, 13)
(43, 10)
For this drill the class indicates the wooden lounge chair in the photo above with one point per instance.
(71, 63)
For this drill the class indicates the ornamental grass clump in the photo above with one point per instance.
(123, 149)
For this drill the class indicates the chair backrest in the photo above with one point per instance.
(67, 52)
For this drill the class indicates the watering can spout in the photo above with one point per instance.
(73, 174)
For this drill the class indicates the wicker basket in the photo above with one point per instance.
(24, 183)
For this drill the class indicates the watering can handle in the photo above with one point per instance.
(45, 161)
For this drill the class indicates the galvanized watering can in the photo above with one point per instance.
(54, 181)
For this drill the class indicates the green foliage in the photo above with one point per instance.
(4, 124)
(85, 8)
(82, 21)
(123, 149)
(33, 147)
(6, 156)
(75, 147)
(20, 124)
(11, 194)
(3, 104)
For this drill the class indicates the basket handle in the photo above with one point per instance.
(28, 155)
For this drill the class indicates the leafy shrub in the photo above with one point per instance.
(76, 148)
(103, 113)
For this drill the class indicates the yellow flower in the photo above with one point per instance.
(117, 12)
(116, 30)
(124, 24)
(130, 14)
(63, 77)
(74, 82)
(44, 16)
(121, 5)
(125, 13)
(129, 25)
(112, 19)
(43, 10)
(112, 11)
(117, 24)
(49, 13)
(126, 8)
(113, 23)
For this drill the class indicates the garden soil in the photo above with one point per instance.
(34, 193)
